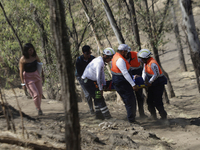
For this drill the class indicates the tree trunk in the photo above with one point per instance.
(92, 26)
(15, 33)
(153, 39)
(169, 85)
(46, 53)
(178, 40)
(113, 22)
(66, 74)
(134, 24)
(188, 21)
(19, 41)
(116, 30)
(25, 143)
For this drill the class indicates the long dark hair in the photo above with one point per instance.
(27, 46)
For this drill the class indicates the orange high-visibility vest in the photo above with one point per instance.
(148, 69)
(115, 70)
(134, 60)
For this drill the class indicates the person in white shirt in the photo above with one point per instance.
(123, 82)
(94, 79)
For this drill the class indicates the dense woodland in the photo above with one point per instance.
(58, 30)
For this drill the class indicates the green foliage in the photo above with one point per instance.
(21, 15)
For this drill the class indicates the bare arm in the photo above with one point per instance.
(38, 59)
(21, 68)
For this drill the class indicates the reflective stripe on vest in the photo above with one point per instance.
(134, 61)
(148, 69)
(115, 70)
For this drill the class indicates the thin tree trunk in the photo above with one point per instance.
(17, 37)
(169, 85)
(66, 74)
(92, 25)
(15, 33)
(46, 53)
(113, 22)
(178, 40)
(155, 51)
(189, 25)
(134, 24)
(116, 30)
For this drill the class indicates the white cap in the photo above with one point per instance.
(123, 47)
(108, 51)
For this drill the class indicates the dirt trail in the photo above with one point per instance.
(181, 132)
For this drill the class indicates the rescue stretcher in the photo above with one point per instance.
(138, 81)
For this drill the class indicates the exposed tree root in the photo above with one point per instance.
(25, 143)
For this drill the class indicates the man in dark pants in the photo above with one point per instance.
(155, 81)
(123, 82)
(136, 69)
(94, 79)
(81, 63)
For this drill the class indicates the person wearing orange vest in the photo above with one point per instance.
(136, 69)
(155, 81)
(123, 82)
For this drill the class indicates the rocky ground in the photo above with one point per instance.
(180, 132)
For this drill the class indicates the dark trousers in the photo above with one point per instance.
(140, 101)
(139, 93)
(154, 101)
(126, 92)
(99, 102)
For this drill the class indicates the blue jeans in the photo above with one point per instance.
(86, 93)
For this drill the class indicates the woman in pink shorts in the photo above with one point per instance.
(30, 76)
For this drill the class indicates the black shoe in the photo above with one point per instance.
(92, 112)
(108, 117)
(101, 117)
(40, 113)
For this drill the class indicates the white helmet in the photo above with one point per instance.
(108, 51)
(123, 47)
(144, 53)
